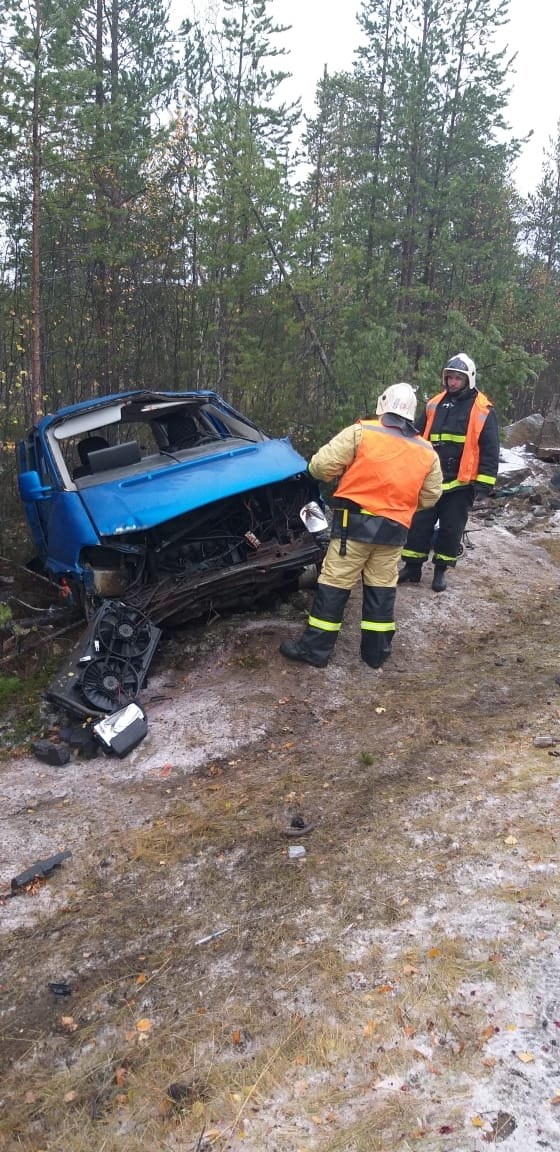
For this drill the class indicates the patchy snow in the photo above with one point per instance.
(414, 946)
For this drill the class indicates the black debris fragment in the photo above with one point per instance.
(50, 752)
(39, 870)
(184, 1095)
(81, 738)
(298, 826)
(60, 988)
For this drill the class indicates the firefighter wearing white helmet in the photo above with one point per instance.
(385, 471)
(400, 399)
(461, 425)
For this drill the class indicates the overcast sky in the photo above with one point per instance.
(325, 32)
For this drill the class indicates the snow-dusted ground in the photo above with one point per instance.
(430, 883)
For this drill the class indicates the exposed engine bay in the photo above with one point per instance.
(234, 550)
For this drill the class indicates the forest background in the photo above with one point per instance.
(166, 221)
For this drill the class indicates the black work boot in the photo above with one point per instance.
(325, 621)
(439, 583)
(306, 652)
(410, 574)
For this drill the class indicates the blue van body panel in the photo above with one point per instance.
(68, 529)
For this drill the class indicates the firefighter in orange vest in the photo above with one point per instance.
(385, 471)
(461, 424)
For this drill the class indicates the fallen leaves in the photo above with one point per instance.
(67, 1024)
(525, 1057)
(144, 1025)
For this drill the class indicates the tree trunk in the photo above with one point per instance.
(36, 389)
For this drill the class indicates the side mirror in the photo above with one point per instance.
(30, 487)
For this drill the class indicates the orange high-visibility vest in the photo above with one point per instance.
(468, 467)
(388, 472)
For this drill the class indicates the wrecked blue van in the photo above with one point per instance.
(172, 502)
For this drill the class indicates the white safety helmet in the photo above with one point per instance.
(398, 399)
(464, 365)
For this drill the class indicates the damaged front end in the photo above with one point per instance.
(174, 503)
(231, 552)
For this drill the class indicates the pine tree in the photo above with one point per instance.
(242, 192)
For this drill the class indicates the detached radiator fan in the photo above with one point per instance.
(124, 632)
(109, 683)
(110, 666)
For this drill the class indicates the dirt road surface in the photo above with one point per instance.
(396, 988)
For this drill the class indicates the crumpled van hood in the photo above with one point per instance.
(138, 502)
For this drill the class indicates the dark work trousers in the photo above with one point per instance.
(452, 511)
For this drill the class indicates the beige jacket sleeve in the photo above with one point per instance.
(335, 457)
(431, 488)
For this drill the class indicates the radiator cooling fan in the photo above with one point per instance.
(124, 632)
(109, 683)
(109, 668)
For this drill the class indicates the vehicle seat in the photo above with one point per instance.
(90, 444)
(182, 432)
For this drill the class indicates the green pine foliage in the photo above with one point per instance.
(195, 234)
